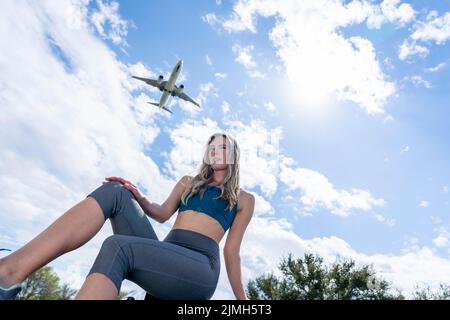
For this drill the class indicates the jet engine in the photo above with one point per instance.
(177, 91)
(160, 78)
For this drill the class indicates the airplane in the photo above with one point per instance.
(168, 87)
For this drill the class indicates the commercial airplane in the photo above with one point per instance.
(168, 87)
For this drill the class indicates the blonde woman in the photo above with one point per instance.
(185, 265)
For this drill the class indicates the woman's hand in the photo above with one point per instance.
(127, 185)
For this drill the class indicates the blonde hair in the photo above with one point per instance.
(230, 184)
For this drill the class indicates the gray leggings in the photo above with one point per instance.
(185, 265)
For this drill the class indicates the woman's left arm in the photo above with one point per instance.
(233, 244)
(233, 264)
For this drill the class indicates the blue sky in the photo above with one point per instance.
(341, 115)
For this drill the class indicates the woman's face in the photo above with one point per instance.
(219, 153)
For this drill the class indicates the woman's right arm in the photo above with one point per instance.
(163, 212)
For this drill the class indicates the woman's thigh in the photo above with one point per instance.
(169, 271)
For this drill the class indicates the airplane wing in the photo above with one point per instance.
(184, 96)
(152, 82)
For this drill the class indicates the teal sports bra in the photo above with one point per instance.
(212, 207)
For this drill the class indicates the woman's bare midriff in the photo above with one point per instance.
(199, 222)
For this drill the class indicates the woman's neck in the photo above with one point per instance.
(218, 177)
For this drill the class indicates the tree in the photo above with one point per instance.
(441, 293)
(44, 285)
(309, 279)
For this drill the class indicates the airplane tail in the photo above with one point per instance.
(157, 104)
(167, 109)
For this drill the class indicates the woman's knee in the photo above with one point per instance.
(112, 260)
(116, 247)
(118, 190)
(112, 186)
(113, 243)
(111, 196)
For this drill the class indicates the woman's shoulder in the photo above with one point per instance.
(186, 180)
(244, 192)
(244, 196)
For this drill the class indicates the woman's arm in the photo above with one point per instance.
(152, 209)
(163, 212)
(233, 264)
(160, 213)
(233, 243)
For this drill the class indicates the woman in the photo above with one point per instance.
(185, 265)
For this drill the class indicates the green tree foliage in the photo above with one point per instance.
(308, 278)
(441, 293)
(44, 285)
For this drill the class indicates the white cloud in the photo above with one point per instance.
(244, 55)
(435, 29)
(423, 204)
(317, 58)
(262, 206)
(108, 22)
(140, 70)
(443, 238)
(220, 75)
(270, 106)
(388, 63)
(225, 107)
(390, 11)
(208, 60)
(441, 241)
(257, 74)
(259, 150)
(404, 150)
(211, 19)
(408, 49)
(435, 220)
(205, 90)
(445, 189)
(260, 154)
(437, 67)
(318, 192)
(418, 81)
(244, 13)
(382, 219)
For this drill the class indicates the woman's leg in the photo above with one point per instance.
(97, 287)
(128, 218)
(74, 228)
(167, 270)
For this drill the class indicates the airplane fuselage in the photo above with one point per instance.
(170, 83)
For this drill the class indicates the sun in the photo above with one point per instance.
(307, 99)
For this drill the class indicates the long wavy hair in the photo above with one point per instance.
(230, 184)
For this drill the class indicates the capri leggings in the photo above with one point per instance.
(185, 265)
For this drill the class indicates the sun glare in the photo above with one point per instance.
(307, 99)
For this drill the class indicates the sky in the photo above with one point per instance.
(340, 109)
